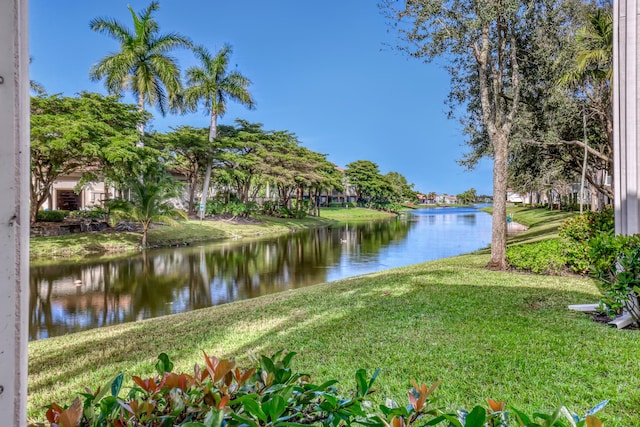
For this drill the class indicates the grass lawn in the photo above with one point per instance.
(192, 231)
(484, 333)
(353, 214)
(78, 246)
(543, 223)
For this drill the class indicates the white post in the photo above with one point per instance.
(14, 211)
(626, 107)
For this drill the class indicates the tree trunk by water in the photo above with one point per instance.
(213, 128)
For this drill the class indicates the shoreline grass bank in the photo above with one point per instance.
(74, 246)
(484, 333)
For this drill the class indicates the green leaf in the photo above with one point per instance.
(116, 385)
(107, 405)
(289, 424)
(254, 408)
(244, 420)
(164, 364)
(274, 408)
(373, 378)
(522, 417)
(476, 417)
(287, 359)
(551, 420)
(214, 418)
(267, 364)
(361, 382)
(325, 385)
(103, 390)
(453, 420)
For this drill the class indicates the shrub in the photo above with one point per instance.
(94, 213)
(577, 231)
(616, 265)
(52, 216)
(544, 257)
(272, 394)
(232, 208)
(268, 207)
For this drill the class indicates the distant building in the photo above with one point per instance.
(447, 200)
(516, 197)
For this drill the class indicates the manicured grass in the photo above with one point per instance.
(192, 231)
(542, 223)
(484, 333)
(353, 214)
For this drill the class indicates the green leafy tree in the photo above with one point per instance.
(286, 164)
(241, 158)
(467, 197)
(481, 41)
(212, 84)
(546, 147)
(402, 191)
(364, 175)
(150, 194)
(89, 134)
(330, 179)
(188, 152)
(590, 76)
(143, 64)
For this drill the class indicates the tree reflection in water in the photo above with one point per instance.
(74, 297)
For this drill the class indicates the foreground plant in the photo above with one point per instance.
(616, 262)
(270, 394)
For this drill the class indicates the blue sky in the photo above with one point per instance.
(321, 69)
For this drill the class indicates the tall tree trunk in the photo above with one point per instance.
(213, 129)
(499, 220)
(192, 192)
(498, 116)
(140, 125)
(145, 229)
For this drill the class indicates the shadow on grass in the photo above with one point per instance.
(497, 333)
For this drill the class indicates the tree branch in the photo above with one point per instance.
(578, 143)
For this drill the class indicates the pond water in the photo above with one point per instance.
(69, 298)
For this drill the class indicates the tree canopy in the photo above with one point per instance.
(86, 134)
(143, 64)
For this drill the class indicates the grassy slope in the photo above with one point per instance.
(543, 223)
(484, 333)
(81, 245)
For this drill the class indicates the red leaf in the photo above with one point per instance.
(495, 406)
(71, 416)
(223, 402)
(397, 422)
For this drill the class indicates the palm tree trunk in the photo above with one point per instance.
(213, 128)
(145, 229)
(140, 125)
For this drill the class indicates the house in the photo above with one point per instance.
(515, 197)
(447, 200)
(66, 196)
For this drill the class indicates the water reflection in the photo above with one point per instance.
(74, 297)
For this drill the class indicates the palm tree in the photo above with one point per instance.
(35, 87)
(212, 84)
(593, 61)
(149, 201)
(590, 74)
(142, 65)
